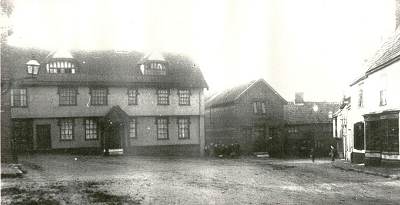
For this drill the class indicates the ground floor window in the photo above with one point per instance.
(162, 128)
(66, 129)
(90, 129)
(132, 128)
(383, 135)
(183, 128)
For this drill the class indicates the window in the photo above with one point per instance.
(163, 97)
(259, 107)
(292, 130)
(132, 96)
(153, 68)
(360, 98)
(60, 67)
(98, 96)
(359, 136)
(67, 96)
(183, 128)
(184, 97)
(382, 97)
(18, 98)
(66, 129)
(383, 135)
(392, 140)
(90, 129)
(132, 128)
(162, 128)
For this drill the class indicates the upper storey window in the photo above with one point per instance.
(61, 66)
(153, 68)
(153, 64)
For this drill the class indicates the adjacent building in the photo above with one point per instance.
(374, 113)
(340, 129)
(96, 101)
(308, 125)
(250, 114)
(370, 121)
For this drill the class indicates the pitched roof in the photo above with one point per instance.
(388, 53)
(232, 94)
(304, 113)
(105, 67)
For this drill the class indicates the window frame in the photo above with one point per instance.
(75, 97)
(360, 98)
(159, 96)
(95, 122)
(158, 128)
(130, 128)
(60, 124)
(180, 129)
(382, 97)
(184, 97)
(135, 96)
(259, 107)
(105, 96)
(13, 94)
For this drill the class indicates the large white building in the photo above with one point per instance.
(369, 124)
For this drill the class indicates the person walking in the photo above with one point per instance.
(332, 153)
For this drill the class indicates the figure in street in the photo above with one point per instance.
(332, 153)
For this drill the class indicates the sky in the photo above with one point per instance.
(313, 46)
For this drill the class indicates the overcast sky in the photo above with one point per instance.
(314, 46)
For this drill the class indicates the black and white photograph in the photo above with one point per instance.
(200, 102)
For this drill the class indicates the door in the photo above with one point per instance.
(114, 137)
(43, 136)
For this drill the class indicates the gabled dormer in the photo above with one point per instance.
(61, 62)
(32, 67)
(153, 64)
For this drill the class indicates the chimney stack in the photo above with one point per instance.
(299, 98)
(397, 12)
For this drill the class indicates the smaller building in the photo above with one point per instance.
(250, 115)
(340, 128)
(308, 125)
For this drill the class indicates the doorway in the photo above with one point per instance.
(43, 136)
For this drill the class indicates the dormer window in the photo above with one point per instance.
(153, 64)
(32, 67)
(153, 68)
(61, 66)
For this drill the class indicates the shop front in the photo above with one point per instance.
(382, 138)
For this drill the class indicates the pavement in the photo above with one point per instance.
(11, 170)
(388, 172)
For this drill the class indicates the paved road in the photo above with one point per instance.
(54, 179)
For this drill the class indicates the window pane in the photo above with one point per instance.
(183, 128)
(90, 129)
(99, 96)
(132, 128)
(66, 130)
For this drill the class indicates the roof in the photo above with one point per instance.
(103, 67)
(232, 94)
(304, 113)
(387, 54)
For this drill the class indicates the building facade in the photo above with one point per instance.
(308, 126)
(105, 100)
(375, 112)
(250, 115)
(340, 129)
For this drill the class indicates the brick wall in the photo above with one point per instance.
(238, 122)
